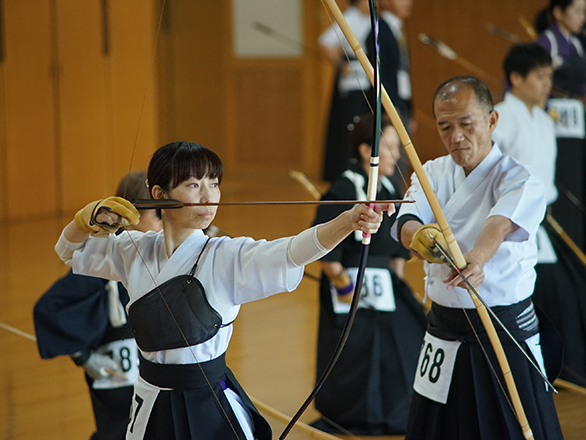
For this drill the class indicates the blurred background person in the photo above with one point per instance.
(85, 318)
(349, 84)
(527, 133)
(369, 390)
(395, 65)
(558, 25)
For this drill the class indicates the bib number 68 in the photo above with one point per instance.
(432, 362)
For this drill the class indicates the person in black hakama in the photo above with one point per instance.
(494, 206)
(369, 390)
(85, 317)
(350, 82)
(395, 66)
(527, 133)
(558, 25)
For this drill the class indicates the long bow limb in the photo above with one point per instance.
(371, 196)
(439, 216)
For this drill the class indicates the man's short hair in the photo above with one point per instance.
(523, 58)
(454, 85)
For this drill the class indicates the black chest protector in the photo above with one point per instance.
(175, 314)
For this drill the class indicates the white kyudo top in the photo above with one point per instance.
(528, 138)
(497, 186)
(233, 271)
(354, 78)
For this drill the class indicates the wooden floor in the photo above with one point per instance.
(272, 352)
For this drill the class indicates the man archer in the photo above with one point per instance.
(494, 206)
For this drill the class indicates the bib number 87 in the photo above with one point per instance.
(433, 362)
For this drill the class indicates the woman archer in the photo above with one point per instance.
(202, 281)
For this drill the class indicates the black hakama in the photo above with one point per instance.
(370, 388)
(345, 105)
(73, 316)
(560, 291)
(477, 407)
(195, 407)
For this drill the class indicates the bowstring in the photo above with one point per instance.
(150, 274)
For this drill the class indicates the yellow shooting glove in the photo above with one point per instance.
(85, 219)
(422, 242)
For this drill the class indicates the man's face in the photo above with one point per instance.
(465, 127)
(535, 87)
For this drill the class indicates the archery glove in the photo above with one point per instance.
(422, 243)
(85, 219)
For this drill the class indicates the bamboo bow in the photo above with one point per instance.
(439, 215)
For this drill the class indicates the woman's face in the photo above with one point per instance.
(572, 18)
(389, 152)
(193, 190)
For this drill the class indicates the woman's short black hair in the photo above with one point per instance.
(178, 161)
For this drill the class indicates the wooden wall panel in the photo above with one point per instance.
(70, 107)
(133, 102)
(85, 155)
(3, 164)
(29, 154)
(462, 25)
(317, 90)
(268, 105)
(193, 72)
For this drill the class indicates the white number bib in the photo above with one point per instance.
(570, 123)
(377, 291)
(125, 353)
(435, 368)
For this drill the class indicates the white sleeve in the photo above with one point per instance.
(305, 248)
(330, 37)
(520, 197)
(65, 248)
